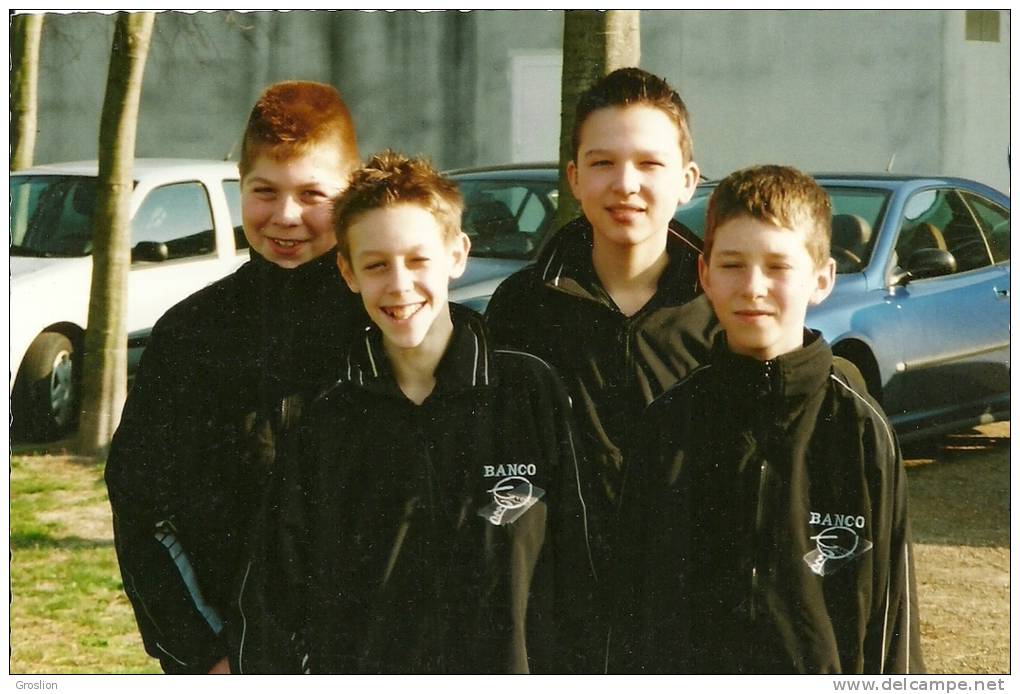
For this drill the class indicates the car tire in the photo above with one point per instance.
(44, 403)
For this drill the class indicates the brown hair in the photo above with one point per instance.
(631, 86)
(291, 118)
(778, 195)
(388, 179)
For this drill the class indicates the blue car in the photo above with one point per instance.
(921, 303)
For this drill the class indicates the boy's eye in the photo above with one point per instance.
(651, 163)
(601, 162)
(263, 191)
(314, 195)
(731, 265)
(377, 265)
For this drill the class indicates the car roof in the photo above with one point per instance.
(144, 167)
(527, 171)
(886, 181)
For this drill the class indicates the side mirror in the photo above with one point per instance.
(149, 251)
(925, 263)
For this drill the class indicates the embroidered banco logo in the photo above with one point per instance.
(512, 492)
(837, 539)
(511, 497)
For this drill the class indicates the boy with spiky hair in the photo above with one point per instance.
(426, 517)
(194, 446)
(768, 512)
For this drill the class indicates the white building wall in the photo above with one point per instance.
(822, 90)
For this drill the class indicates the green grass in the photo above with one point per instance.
(69, 613)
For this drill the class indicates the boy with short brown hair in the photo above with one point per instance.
(426, 517)
(195, 443)
(768, 513)
(611, 301)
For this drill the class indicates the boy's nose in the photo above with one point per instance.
(288, 211)
(627, 179)
(400, 279)
(755, 282)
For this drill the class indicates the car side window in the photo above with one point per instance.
(994, 222)
(232, 189)
(504, 219)
(940, 219)
(179, 217)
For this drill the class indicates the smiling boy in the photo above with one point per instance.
(427, 516)
(769, 511)
(610, 302)
(195, 442)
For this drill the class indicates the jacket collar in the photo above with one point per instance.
(321, 269)
(466, 364)
(788, 380)
(565, 264)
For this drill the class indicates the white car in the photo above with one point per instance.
(185, 234)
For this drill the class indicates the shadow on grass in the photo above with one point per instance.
(34, 539)
(65, 448)
(959, 490)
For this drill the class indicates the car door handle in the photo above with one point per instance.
(1002, 293)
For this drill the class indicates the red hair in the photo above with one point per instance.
(291, 118)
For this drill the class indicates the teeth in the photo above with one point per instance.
(285, 243)
(401, 312)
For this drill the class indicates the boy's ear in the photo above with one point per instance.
(347, 272)
(459, 248)
(690, 182)
(572, 176)
(826, 281)
(703, 271)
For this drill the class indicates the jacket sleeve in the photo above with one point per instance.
(648, 629)
(510, 314)
(893, 641)
(561, 634)
(270, 636)
(177, 625)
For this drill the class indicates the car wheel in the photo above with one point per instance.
(860, 366)
(45, 397)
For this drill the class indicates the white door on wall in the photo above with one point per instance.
(535, 94)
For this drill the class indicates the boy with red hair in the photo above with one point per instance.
(195, 443)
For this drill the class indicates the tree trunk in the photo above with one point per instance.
(26, 30)
(104, 370)
(594, 44)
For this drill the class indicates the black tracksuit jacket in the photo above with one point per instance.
(446, 537)
(768, 524)
(613, 364)
(195, 442)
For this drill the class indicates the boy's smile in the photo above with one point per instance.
(761, 279)
(286, 207)
(630, 174)
(401, 264)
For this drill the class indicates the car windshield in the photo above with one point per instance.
(856, 214)
(51, 216)
(507, 218)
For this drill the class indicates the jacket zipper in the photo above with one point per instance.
(759, 514)
(766, 390)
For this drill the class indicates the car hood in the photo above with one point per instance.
(482, 270)
(22, 267)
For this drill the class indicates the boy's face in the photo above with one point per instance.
(630, 175)
(402, 265)
(761, 279)
(287, 205)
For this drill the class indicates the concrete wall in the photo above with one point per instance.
(837, 90)
(842, 90)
